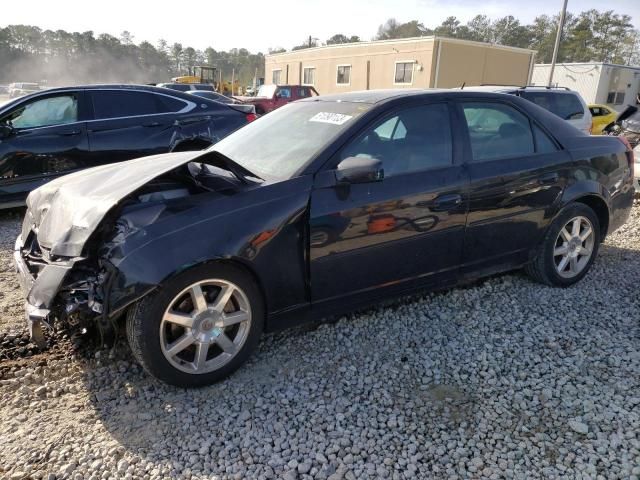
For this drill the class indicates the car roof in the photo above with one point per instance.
(110, 86)
(517, 88)
(374, 96)
(379, 96)
(106, 86)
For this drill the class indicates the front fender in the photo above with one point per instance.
(264, 229)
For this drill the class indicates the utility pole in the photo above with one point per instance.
(556, 47)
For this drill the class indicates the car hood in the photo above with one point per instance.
(66, 211)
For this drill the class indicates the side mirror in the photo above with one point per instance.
(359, 170)
(6, 130)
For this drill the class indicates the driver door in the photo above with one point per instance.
(406, 231)
(48, 138)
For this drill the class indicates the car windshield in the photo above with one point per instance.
(283, 142)
(267, 91)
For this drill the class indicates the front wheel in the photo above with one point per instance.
(199, 327)
(569, 248)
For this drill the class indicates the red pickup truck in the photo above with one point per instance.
(270, 97)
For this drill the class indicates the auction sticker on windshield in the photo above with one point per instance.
(329, 117)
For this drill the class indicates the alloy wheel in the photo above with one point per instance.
(205, 326)
(574, 247)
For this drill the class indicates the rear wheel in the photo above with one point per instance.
(569, 247)
(199, 327)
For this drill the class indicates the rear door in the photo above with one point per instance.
(49, 139)
(403, 231)
(132, 123)
(517, 176)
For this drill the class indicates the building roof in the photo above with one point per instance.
(397, 41)
(588, 64)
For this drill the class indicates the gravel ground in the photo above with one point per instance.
(501, 379)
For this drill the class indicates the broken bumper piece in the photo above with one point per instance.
(39, 292)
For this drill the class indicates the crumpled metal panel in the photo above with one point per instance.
(67, 210)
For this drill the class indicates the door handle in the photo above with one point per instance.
(69, 133)
(446, 202)
(152, 124)
(548, 179)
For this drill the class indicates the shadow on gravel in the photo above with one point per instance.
(501, 355)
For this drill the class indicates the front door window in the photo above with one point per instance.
(48, 111)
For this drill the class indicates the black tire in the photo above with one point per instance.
(144, 324)
(543, 268)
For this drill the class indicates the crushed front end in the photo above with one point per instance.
(57, 288)
(56, 255)
(76, 291)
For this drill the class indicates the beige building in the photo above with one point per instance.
(420, 62)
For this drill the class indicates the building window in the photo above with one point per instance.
(344, 75)
(275, 76)
(309, 76)
(615, 98)
(404, 73)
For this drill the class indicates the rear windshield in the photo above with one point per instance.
(282, 143)
(565, 105)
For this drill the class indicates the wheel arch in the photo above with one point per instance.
(594, 195)
(239, 263)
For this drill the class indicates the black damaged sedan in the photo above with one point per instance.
(323, 206)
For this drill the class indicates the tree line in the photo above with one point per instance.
(590, 36)
(28, 53)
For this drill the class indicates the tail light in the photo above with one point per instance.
(251, 117)
(630, 155)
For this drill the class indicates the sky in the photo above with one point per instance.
(258, 25)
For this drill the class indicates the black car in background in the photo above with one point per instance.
(186, 87)
(324, 205)
(57, 131)
(218, 97)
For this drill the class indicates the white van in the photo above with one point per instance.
(565, 103)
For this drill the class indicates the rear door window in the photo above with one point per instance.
(117, 104)
(304, 92)
(497, 131)
(544, 144)
(170, 104)
(565, 105)
(569, 107)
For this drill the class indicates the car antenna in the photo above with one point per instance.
(463, 84)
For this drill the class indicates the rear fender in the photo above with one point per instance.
(594, 195)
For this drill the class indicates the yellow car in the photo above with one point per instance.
(602, 116)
